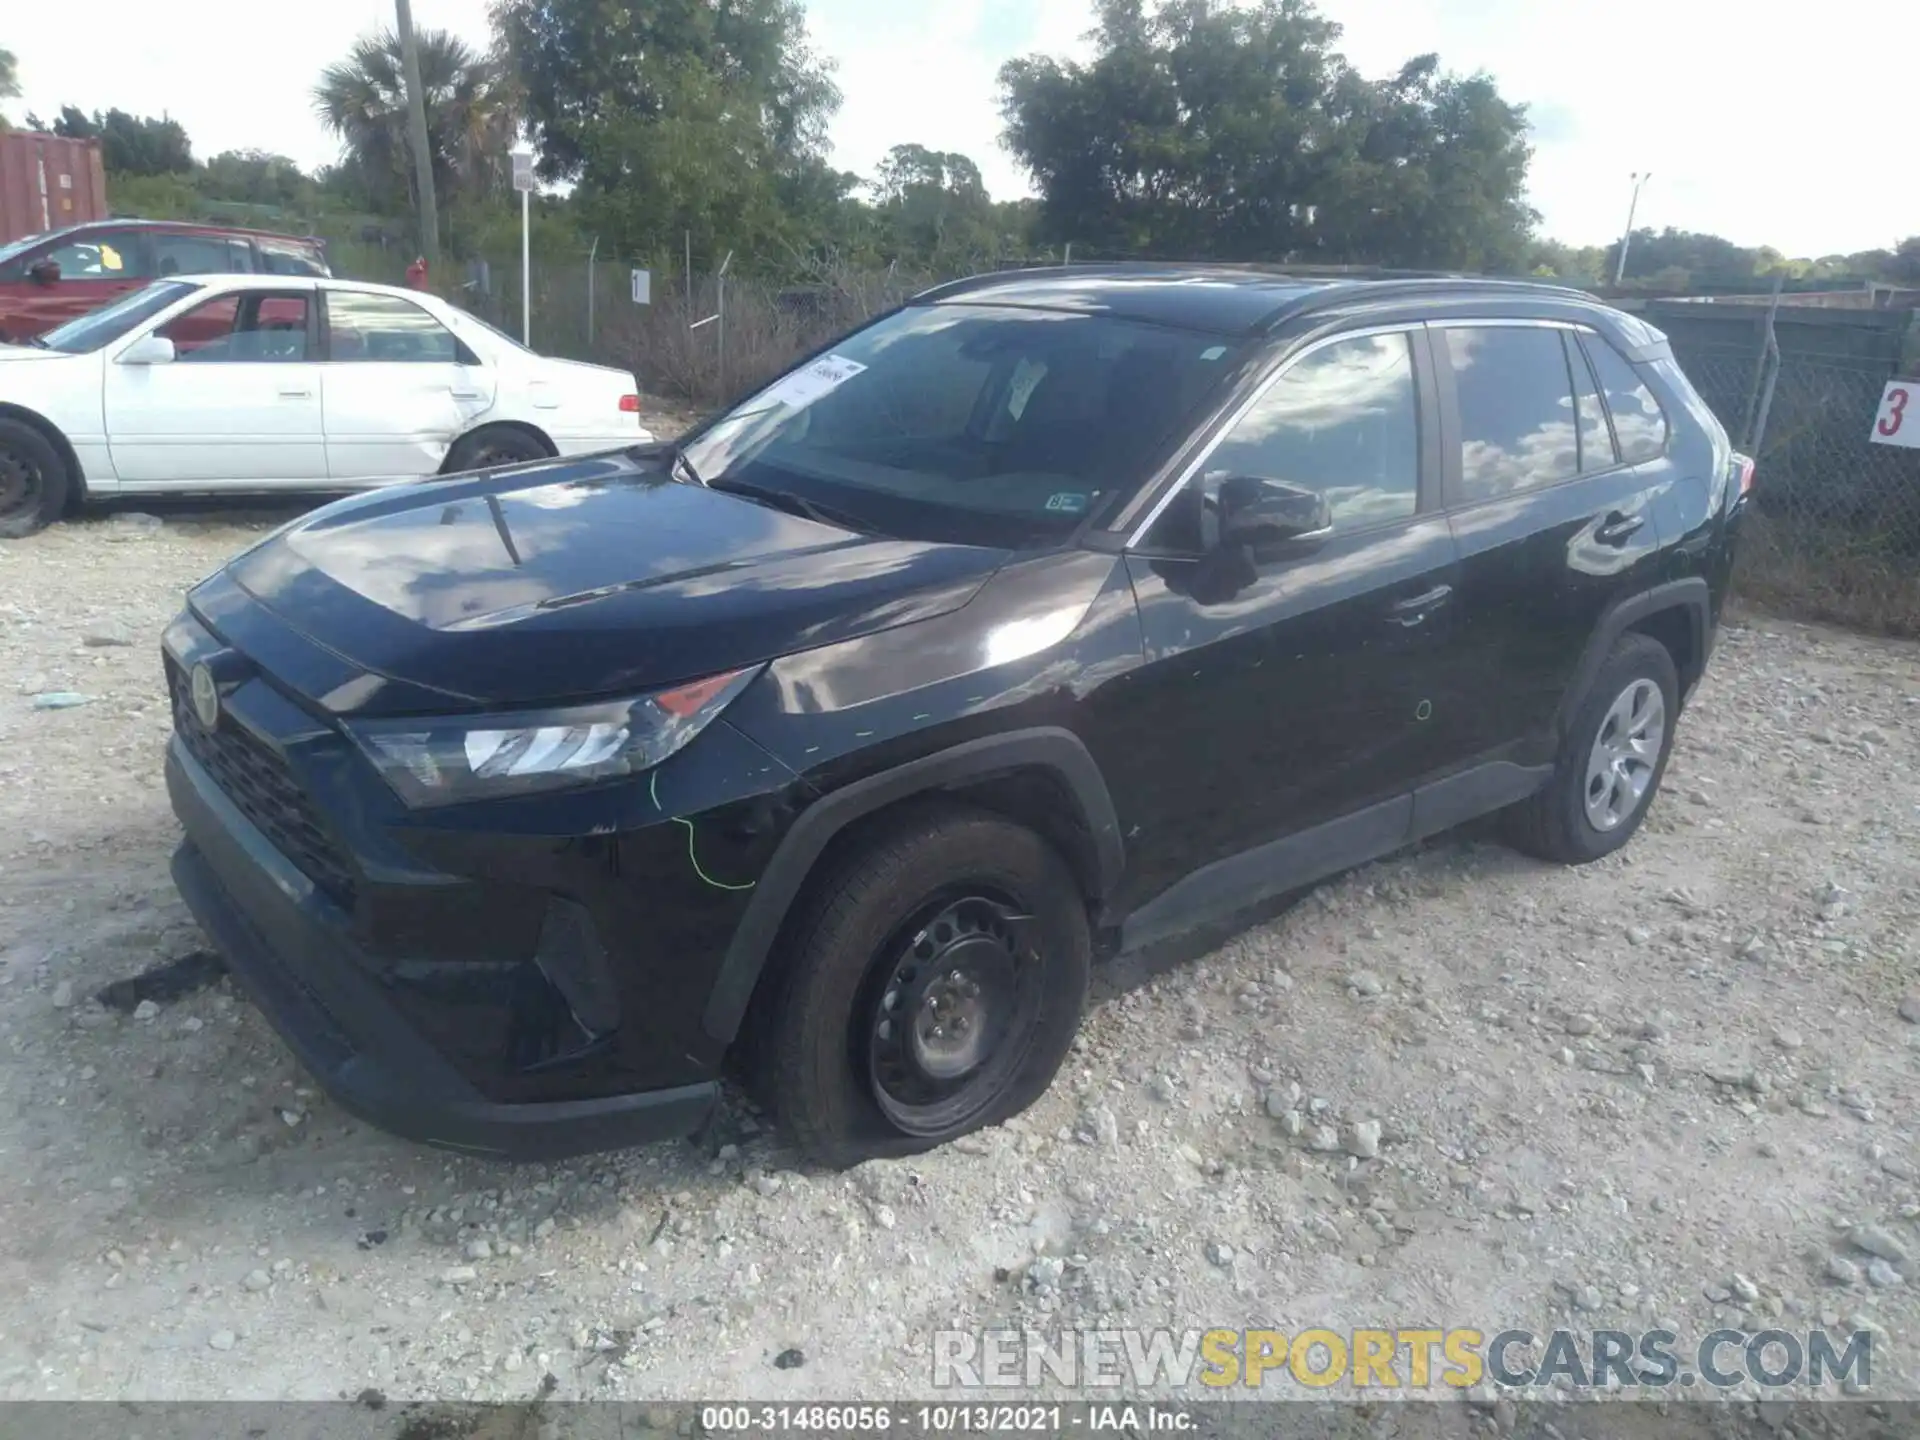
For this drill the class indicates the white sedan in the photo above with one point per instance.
(266, 383)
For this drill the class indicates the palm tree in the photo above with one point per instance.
(472, 115)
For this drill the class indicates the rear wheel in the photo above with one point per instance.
(33, 481)
(1611, 759)
(494, 445)
(935, 982)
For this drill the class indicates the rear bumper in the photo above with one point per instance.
(290, 948)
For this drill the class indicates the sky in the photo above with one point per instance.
(1767, 133)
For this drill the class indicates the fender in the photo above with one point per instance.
(1043, 748)
(1691, 594)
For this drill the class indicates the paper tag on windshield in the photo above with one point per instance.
(811, 381)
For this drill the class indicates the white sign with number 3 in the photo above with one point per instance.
(1898, 422)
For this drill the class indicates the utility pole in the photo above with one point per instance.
(417, 133)
(1626, 239)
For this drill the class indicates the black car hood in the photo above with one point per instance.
(579, 579)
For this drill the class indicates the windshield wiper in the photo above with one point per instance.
(38, 342)
(791, 503)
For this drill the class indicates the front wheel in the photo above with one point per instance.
(934, 985)
(1611, 759)
(33, 481)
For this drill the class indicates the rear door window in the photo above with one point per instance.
(1639, 424)
(1516, 409)
(376, 328)
(191, 254)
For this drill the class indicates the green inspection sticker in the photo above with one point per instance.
(1067, 502)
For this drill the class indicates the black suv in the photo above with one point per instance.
(1048, 615)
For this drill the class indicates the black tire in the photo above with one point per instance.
(493, 445)
(817, 1031)
(1558, 822)
(33, 481)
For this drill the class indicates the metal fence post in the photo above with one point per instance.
(1753, 427)
(720, 309)
(593, 254)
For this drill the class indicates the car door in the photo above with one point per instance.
(1295, 690)
(239, 402)
(399, 388)
(93, 267)
(1552, 523)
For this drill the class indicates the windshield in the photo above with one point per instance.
(979, 424)
(21, 246)
(110, 322)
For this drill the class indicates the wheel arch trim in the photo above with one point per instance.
(1046, 748)
(1691, 595)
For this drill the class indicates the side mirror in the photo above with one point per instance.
(1260, 512)
(148, 350)
(44, 272)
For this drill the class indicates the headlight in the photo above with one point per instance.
(480, 757)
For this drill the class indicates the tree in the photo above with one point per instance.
(472, 117)
(254, 177)
(1240, 133)
(1676, 259)
(9, 81)
(129, 144)
(675, 116)
(1903, 266)
(934, 208)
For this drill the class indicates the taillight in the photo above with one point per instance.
(1744, 464)
(629, 404)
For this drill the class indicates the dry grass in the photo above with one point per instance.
(1823, 571)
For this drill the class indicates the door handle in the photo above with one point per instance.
(295, 394)
(467, 395)
(1616, 528)
(1415, 608)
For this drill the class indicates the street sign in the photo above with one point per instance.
(643, 287)
(523, 171)
(1898, 422)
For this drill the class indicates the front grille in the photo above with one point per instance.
(255, 777)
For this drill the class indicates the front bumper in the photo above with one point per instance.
(294, 954)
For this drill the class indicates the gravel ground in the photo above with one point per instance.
(1455, 1087)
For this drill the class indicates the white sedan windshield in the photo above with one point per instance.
(107, 324)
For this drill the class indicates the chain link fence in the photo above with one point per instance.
(1835, 533)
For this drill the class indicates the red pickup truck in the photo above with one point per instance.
(47, 279)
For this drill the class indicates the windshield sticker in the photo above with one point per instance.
(1067, 502)
(1026, 375)
(1213, 352)
(811, 381)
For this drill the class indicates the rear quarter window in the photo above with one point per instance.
(1639, 424)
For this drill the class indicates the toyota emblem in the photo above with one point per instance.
(206, 697)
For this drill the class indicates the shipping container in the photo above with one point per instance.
(47, 181)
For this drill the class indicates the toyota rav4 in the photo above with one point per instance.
(1044, 618)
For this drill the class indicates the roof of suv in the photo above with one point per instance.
(191, 227)
(1226, 299)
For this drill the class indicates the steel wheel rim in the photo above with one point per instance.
(1624, 754)
(951, 1012)
(19, 483)
(493, 456)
